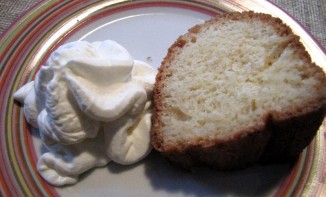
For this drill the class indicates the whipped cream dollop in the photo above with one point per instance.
(92, 104)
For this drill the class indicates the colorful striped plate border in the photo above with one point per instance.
(29, 41)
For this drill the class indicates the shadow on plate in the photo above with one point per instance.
(258, 180)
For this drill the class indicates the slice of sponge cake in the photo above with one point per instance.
(234, 90)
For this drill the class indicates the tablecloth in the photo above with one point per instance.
(310, 13)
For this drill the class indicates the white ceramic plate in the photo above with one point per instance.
(146, 29)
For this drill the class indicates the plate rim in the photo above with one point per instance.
(40, 5)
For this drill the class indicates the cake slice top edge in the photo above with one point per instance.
(224, 98)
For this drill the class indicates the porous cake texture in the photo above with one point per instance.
(235, 90)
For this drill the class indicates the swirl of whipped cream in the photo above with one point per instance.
(83, 89)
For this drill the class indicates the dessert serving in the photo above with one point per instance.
(92, 104)
(146, 29)
(236, 90)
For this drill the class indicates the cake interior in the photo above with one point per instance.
(229, 77)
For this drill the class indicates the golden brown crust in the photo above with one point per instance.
(279, 139)
(291, 136)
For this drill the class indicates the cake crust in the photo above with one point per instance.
(279, 136)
